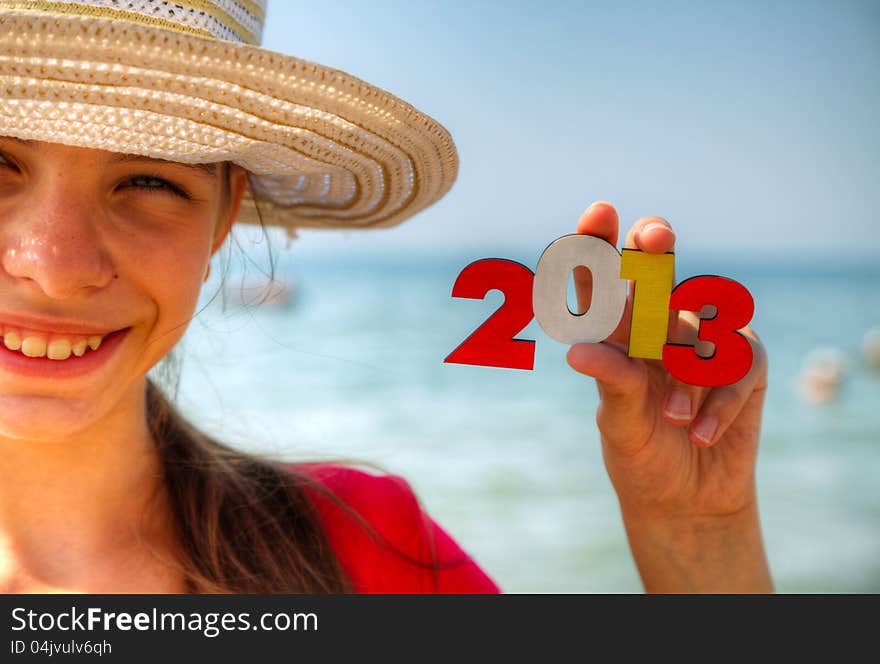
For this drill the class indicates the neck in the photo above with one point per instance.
(69, 507)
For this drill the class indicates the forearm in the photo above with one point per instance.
(700, 554)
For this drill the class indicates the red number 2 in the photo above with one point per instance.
(733, 353)
(492, 344)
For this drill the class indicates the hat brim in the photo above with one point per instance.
(325, 148)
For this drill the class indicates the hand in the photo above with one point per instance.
(681, 458)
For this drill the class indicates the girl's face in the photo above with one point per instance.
(102, 256)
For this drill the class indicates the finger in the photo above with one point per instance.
(722, 405)
(758, 371)
(621, 332)
(719, 410)
(622, 384)
(599, 220)
(683, 328)
(607, 363)
(681, 402)
(651, 234)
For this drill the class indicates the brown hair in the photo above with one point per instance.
(243, 524)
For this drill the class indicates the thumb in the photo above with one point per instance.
(622, 383)
(608, 363)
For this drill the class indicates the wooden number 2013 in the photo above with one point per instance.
(543, 295)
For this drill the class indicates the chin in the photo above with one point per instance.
(48, 419)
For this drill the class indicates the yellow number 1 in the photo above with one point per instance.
(652, 275)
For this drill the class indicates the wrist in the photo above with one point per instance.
(700, 553)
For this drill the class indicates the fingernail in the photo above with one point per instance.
(653, 225)
(678, 405)
(704, 430)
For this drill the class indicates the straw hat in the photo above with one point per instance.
(186, 81)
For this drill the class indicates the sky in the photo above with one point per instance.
(753, 127)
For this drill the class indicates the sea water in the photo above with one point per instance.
(509, 461)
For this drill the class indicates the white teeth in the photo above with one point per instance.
(12, 341)
(34, 347)
(59, 349)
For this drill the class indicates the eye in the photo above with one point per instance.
(8, 169)
(155, 185)
(4, 161)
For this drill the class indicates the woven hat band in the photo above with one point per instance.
(231, 20)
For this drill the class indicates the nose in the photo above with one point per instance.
(54, 245)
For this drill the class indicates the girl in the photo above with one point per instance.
(132, 136)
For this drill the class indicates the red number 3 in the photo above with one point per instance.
(733, 352)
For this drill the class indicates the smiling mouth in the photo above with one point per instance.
(54, 346)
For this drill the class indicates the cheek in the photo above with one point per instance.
(169, 273)
(176, 292)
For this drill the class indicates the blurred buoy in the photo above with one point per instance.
(871, 347)
(822, 375)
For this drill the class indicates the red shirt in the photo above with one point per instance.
(407, 552)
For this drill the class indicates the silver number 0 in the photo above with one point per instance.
(549, 294)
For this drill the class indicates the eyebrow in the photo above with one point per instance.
(209, 168)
